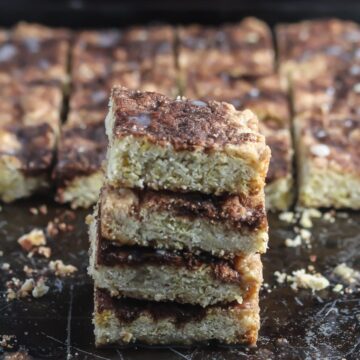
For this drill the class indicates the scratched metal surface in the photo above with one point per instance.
(295, 325)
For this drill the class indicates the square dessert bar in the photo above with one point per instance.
(223, 226)
(182, 145)
(336, 92)
(328, 159)
(242, 49)
(131, 56)
(78, 172)
(34, 54)
(93, 55)
(266, 97)
(124, 321)
(100, 62)
(28, 105)
(30, 118)
(182, 276)
(26, 156)
(149, 47)
(303, 53)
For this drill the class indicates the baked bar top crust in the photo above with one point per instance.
(81, 150)
(331, 140)
(34, 54)
(240, 49)
(336, 92)
(264, 96)
(30, 105)
(137, 51)
(269, 102)
(24, 30)
(149, 45)
(90, 97)
(239, 212)
(183, 123)
(301, 41)
(30, 147)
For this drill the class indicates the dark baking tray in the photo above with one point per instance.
(295, 325)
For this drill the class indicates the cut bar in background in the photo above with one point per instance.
(33, 76)
(324, 77)
(264, 96)
(138, 58)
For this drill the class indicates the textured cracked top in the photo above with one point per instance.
(242, 49)
(312, 47)
(185, 124)
(34, 54)
(101, 55)
(28, 148)
(333, 92)
(81, 150)
(266, 98)
(331, 139)
(26, 105)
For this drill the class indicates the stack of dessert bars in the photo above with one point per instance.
(180, 223)
(138, 58)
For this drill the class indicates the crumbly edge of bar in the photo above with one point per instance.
(279, 194)
(82, 191)
(14, 184)
(136, 163)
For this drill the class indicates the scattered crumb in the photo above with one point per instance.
(7, 341)
(347, 274)
(338, 288)
(5, 266)
(282, 341)
(60, 224)
(293, 242)
(280, 277)
(287, 216)
(17, 289)
(43, 209)
(300, 279)
(26, 288)
(34, 211)
(41, 250)
(35, 237)
(10, 294)
(19, 355)
(40, 289)
(329, 216)
(28, 270)
(51, 229)
(60, 269)
(311, 268)
(307, 216)
(89, 219)
(305, 234)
